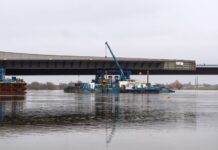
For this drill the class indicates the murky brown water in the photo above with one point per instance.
(59, 121)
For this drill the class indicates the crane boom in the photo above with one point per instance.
(122, 75)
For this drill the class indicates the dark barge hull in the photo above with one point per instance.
(11, 89)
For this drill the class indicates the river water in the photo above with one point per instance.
(185, 120)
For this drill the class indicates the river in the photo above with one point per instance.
(185, 120)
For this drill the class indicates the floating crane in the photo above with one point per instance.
(122, 75)
(105, 82)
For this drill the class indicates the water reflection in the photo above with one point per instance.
(9, 110)
(12, 98)
(106, 121)
(126, 110)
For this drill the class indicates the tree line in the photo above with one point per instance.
(46, 86)
(174, 85)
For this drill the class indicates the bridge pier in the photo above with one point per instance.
(147, 77)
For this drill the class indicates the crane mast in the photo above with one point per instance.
(122, 75)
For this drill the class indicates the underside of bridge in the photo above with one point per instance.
(35, 64)
(198, 71)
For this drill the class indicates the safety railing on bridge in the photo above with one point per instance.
(207, 66)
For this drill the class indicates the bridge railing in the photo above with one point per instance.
(207, 65)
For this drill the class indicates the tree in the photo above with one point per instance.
(51, 86)
(176, 85)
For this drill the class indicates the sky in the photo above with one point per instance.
(167, 29)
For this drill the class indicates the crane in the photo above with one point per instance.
(122, 75)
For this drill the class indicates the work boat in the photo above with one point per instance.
(121, 83)
(109, 85)
(137, 87)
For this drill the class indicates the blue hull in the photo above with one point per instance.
(107, 90)
(143, 90)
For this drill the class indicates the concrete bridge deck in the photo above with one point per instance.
(35, 64)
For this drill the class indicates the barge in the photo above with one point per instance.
(12, 86)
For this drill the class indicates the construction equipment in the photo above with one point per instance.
(122, 75)
(108, 81)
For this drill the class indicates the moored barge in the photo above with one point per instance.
(12, 86)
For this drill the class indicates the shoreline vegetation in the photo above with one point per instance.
(176, 85)
(203, 88)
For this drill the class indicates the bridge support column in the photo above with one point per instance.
(147, 77)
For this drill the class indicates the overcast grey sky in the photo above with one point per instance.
(175, 29)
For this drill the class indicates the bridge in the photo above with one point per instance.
(35, 64)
